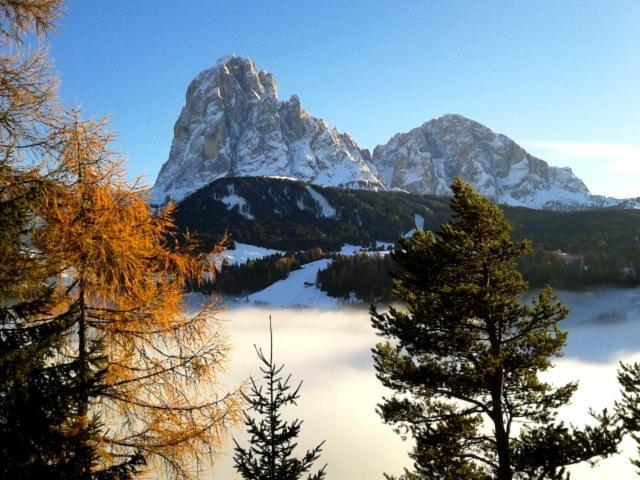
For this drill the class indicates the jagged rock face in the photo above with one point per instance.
(426, 160)
(234, 125)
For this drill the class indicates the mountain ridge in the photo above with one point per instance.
(233, 124)
(427, 158)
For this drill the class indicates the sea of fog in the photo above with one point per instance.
(330, 351)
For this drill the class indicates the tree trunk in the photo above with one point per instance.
(83, 373)
(496, 386)
(83, 353)
(502, 439)
(272, 413)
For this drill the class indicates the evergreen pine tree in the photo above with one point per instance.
(465, 355)
(628, 408)
(272, 439)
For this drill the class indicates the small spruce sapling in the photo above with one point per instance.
(272, 440)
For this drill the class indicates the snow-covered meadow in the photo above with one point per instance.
(329, 348)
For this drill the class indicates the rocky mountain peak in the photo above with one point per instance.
(233, 124)
(236, 77)
(428, 158)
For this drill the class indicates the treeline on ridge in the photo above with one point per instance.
(368, 277)
(281, 214)
(363, 217)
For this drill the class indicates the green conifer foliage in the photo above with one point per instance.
(463, 356)
(628, 408)
(270, 455)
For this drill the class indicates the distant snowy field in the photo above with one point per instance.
(244, 252)
(329, 348)
(298, 289)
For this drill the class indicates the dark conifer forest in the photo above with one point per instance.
(571, 250)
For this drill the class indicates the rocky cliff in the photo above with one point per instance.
(428, 158)
(233, 124)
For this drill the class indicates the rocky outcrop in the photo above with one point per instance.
(233, 124)
(428, 158)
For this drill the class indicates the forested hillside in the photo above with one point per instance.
(571, 249)
(291, 215)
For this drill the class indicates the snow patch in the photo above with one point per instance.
(418, 221)
(384, 245)
(283, 177)
(326, 210)
(348, 249)
(245, 252)
(233, 201)
(298, 290)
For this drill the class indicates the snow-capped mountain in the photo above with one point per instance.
(234, 125)
(428, 158)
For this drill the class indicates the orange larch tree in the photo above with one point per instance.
(122, 275)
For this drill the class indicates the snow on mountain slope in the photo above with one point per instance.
(326, 210)
(418, 221)
(297, 290)
(233, 124)
(235, 202)
(426, 159)
(245, 252)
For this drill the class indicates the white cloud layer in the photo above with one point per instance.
(607, 168)
(330, 351)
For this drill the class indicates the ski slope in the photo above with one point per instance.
(297, 290)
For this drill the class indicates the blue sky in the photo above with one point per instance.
(561, 78)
